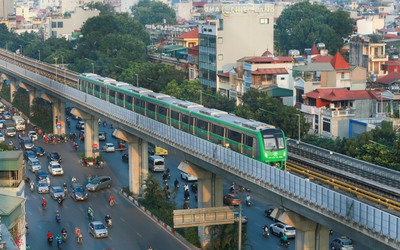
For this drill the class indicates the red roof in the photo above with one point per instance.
(338, 62)
(389, 78)
(198, 4)
(322, 59)
(272, 71)
(266, 59)
(266, 53)
(193, 34)
(387, 36)
(392, 63)
(342, 94)
(194, 50)
(314, 50)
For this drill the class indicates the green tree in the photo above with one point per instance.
(5, 91)
(21, 101)
(225, 237)
(303, 24)
(152, 12)
(105, 9)
(42, 114)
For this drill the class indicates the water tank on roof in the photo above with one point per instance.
(374, 77)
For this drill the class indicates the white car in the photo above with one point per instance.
(109, 147)
(34, 164)
(55, 168)
(280, 228)
(42, 187)
(2, 138)
(33, 135)
(188, 177)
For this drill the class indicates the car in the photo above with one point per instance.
(42, 187)
(99, 183)
(78, 192)
(232, 200)
(2, 123)
(125, 157)
(109, 147)
(244, 218)
(53, 156)
(342, 243)
(280, 228)
(188, 177)
(80, 125)
(267, 213)
(39, 151)
(33, 135)
(98, 229)
(34, 164)
(55, 168)
(56, 192)
(29, 154)
(6, 115)
(2, 137)
(26, 143)
(102, 136)
(41, 175)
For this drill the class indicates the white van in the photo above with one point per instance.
(156, 163)
(34, 164)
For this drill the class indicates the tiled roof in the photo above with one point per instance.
(389, 78)
(265, 59)
(322, 59)
(338, 62)
(342, 94)
(193, 34)
(393, 63)
(266, 53)
(314, 50)
(387, 36)
(272, 71)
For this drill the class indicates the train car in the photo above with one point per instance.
(255, 139)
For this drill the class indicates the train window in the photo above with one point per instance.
(202, 124)
(121, 96)
(128, 99)
(151, 106)
(175, 115)
(234, 136)
(218, 130)
(162, 111)
(111, 93)
(97, 88)
(185, 119)
(248, 141)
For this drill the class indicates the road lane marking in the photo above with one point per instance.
(122, 219)
(138, 234)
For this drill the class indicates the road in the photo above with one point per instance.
(131, 228)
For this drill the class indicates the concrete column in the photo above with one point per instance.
(209, 194)
(138, 161)
(309, 234)
(58, 116)
(13, 89)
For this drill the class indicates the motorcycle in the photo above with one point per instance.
(59, 242)
(111, 203)
(32, 187)
(265, 232)
(64, 236)
(60, 201)
(65, 188)
(243, 189)
(44, 204)
(90, 215)
(79, 238)
(285, 243)
(109, 222)
(50, 240)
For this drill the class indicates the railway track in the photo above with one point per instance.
(54, 72)
(378, 190)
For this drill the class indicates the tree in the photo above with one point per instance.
(42, 114)
(303, 24)
(152, 12)
(21, 100)
(105, 9)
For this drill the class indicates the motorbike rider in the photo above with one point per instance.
(64, 233)
(65, 187)
(111, 200)
(60, 200)
(43, 202)
(32, 185)
(90, 212)
(73, 179)
(284, 239)
(107, 219)
(49, 237)
(58, 240)
(248, 199)
(58, 216)
(265, 229)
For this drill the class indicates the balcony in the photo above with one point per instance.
(338, 112)
(379, 58)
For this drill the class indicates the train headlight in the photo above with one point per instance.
(284, 153)
(266, 155)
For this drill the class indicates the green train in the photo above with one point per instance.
(255, 139)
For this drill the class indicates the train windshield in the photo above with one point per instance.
(273, 139)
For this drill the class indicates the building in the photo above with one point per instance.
(189, 39)
(193, 62)
(370, 24)
(238, 30)
(64, 25)
(6, 9)
(71, 5)
(370, 55)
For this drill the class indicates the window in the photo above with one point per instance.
(53, 24)
(202, 124)
(342, 75)
(162, 111)
(111, 93)
(234, 136)
(282, 78)
(326, 125)
(248, 141)
(175, 115)
(220, 40)
(264, 20)
(151, 106)
(60, 25)
(220, 57)
(185, 119)
(217, 130)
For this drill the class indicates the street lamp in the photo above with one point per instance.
(137, 80)
(92, 68)
(55, 59)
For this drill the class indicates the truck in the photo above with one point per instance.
(10, 128)
(19, 122)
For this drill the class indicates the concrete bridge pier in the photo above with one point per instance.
(209, 194)
(58, 117)
(309, 234)
(13, 88)
(138, 161)
(91, 131)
